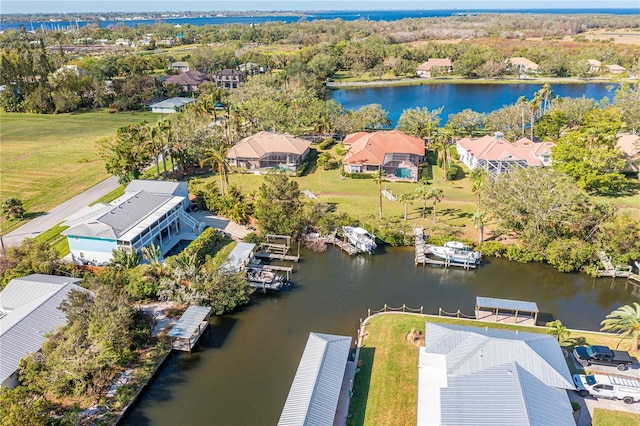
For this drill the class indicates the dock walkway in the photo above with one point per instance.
(344, 245)
(619, 271)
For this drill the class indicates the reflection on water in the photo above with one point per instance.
(241, 373)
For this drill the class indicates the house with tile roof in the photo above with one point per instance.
(29, 311)
(440, 65)
(629, 144)
(134, 220)
(523, 65)
(616, 69)
(180, 66)
(594, 65)
(397, 154)
(497, 155)
(463, 371)
(188, 80)
(267, 151)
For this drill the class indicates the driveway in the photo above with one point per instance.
(238, 232)
(56, 215)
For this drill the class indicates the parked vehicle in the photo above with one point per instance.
(602, 355)
(604, 386)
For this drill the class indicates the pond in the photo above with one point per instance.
(457, 97)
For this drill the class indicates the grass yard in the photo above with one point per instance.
(359, 198)
(603, 417)
(385, 389)
(47, 159)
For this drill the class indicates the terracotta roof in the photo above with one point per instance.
(263, 143)
(371, 148)
(615, 67)
(594, 62)
(518, 60)
(435, 62)
(490, 148)
(629, 144)
(189, 78)
(229, 71)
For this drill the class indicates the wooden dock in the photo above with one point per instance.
(344, 245)
(619, 271)
(423, 250)
(275, 256)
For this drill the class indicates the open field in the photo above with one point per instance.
(385, 388)
(47, 159)
(614, 418)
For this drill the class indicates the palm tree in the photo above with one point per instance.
(624, 321)
(441, 147)
(217, 158)
(522, 102)
(13, 208)
(163, 132)
(534, 107)
(479, 221)
(406, 198)
(557, 329)
(152, 254)
(435, 194)
(478, 179)
(124, 259)
(422, 192)
(377, 178)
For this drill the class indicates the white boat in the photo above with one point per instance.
(456, 252)
(264, 278)
(360, 239)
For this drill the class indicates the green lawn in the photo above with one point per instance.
(385, 388)
(614, 418)
(47, 159)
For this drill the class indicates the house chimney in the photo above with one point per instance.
(498, 135)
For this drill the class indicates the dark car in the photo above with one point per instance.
(602, 355)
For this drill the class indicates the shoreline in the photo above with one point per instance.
(336, 85)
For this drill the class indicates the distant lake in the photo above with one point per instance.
(457, 97)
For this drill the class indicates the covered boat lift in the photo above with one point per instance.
(191, 325)
(506, 311)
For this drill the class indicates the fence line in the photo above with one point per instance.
(403, 308)
(456, 314)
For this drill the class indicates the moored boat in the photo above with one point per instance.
(360, 238)
(258, 277)
(456, 252)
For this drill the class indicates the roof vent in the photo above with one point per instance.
(498, 135)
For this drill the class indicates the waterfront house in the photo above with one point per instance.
(251, 68)
(630, 146)
(523, 65)
(268, 151)
(320, 391)
(180, 66)
(394, 152)
(228, 79)
(123, 42)
(616, 69)
(170, 105)
(497, 155)
(475, 375)
(188, 80)
(435, 65)
(134, 220)
(29, 310)
(594, 66)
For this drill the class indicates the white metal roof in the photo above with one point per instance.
(314, 393)
(238, 256)
(173, 103)
(189, 322)
(154, 186)
(463, 371)
(507, 304)
(31, 305)
(523, 399)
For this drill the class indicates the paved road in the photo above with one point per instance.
(56, 215)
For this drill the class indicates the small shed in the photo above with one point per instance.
(191, 325)
(506, 310)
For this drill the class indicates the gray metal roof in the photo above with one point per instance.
(314, 393)
(34, 303)
(238, 257)
(507, 304)
(503, 395)
(189, 322)
(154, 186)
(115, 221)
(471, 349)
(173, 103)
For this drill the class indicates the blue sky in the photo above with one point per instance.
(53, 6)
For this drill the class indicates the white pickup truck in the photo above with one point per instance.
(604, 386)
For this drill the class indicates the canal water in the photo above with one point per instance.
(457, 97)
(241, 373)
